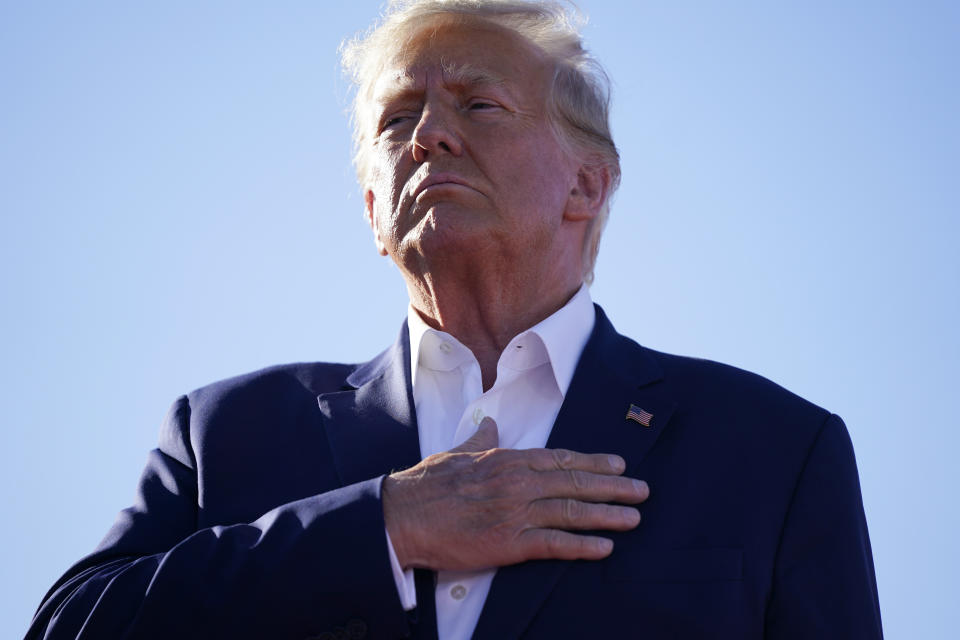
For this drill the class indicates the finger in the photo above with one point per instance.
(486, 437)
(567, 513)
(591, 487)
(541, 544)
(561, 459)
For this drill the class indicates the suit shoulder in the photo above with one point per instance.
(737, 410)
(723, 387)
(278, 385)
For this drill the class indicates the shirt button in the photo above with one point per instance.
(477, 415)
(445, 347)
(458, 592)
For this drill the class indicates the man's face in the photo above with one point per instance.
(464, 161)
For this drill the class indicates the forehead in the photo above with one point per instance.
(464, 53)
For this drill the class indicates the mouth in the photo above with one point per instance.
(440, 180)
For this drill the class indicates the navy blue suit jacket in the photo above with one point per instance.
(259, 514)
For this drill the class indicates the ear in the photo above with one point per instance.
(370, 217)
(588, 193)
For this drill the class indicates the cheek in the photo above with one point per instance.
(388, 176)
(542, 182)
(387, 184)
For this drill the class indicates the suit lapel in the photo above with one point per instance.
(370, 425)
(613, 373)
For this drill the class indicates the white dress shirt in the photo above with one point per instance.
(533, 375)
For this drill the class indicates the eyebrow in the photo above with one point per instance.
(454, 74)
(466, 74)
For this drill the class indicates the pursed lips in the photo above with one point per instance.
(439, 179)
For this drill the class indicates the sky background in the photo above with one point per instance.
(177, 206)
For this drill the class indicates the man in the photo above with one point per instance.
(481, 477)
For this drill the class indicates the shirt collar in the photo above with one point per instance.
(563, 334)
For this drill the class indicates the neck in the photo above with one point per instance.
(486, 313)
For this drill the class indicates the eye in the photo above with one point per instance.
(392, 121)
(482, 105)
(396, 120)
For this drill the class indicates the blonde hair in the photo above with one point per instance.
(578, 100)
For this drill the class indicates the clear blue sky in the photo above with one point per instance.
(178, 206)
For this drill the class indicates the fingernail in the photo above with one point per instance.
(616, 463)
(640, 486)
(605, 545)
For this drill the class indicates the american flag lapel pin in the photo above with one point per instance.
(638, 415)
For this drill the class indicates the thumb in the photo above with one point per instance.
(486, 437)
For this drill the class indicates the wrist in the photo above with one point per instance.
(394, 509)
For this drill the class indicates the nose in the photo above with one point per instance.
(435, 134)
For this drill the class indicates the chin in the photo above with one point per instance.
(437, 250)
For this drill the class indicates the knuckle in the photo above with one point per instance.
(578, 480)
(572, 510)
(552, 541)
(562, 458)
(532, 487)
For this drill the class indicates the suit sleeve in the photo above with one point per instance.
(307, 568)
(824, 583)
